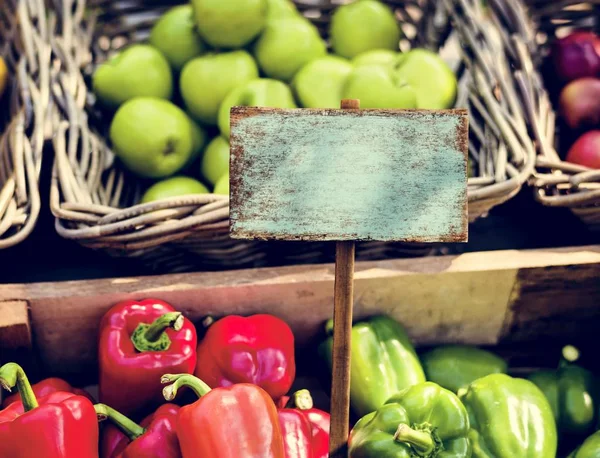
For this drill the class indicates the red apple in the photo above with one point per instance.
(576, 56)
(586, 150)
(580, 103)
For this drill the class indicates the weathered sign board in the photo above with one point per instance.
(308, 174)
(348, 175)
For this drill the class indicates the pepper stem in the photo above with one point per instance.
(420, 441)
(178, 381)
(12, 374)
(131, 429)
(207, 322)
(152, 337)
(303, 400)
(570, 354)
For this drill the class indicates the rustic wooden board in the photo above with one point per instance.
(478, 298)
(15, 331)
(314, 174)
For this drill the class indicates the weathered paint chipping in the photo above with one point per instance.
(348, 174)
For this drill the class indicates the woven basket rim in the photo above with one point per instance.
(555, 182)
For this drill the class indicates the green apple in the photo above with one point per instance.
(281, 8)
(222, 186)
(286, 45)
(199, 138)
(138, 71)
(432, 78)
(215, 161)
(384, 57)
(173, 187)
(153, 137)
(262, 92)
(361, 26)
(230, 23)
(175, 35)
(376, 87)
(206, 80)
(319, 83)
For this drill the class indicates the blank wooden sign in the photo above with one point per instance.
(314, 174)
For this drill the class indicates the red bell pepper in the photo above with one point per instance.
(296, 432)
(293, 415)
(59, 425)
(140, 341)
(258, 349)
(154, 437)
(235, 422)
(47, 386)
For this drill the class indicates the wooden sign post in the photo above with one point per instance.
(348, 175)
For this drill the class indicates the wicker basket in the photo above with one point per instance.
(94, 199)
(24, 114)
(558, 183)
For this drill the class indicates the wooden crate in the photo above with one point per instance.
(516, 300)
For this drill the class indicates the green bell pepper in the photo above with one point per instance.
(425, 421)
(571, 391)
(509, 418)
(383, 362)
(589, 449)
(456, 366)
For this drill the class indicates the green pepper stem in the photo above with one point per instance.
(152, 337)
(12, 374)
(420, 441)
(131, 429)
(172, 320)
(303, 400)
(570, 354)
(177, 381)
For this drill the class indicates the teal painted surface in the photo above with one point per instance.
(348, 175)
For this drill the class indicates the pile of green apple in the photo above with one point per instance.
(170, 95)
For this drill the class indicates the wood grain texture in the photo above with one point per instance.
(15, 329)
(324, 174)
(343, 300)
(475, 298)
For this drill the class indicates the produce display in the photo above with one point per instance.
(231, 387)
(168, 99)
(575, 74)
(166, 393)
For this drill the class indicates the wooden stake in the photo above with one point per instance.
(342, 331)
(292, 171)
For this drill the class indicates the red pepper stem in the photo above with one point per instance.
(152, 337)
(303, 400)
(11, 375)
(180, 380)
(131, 429)
(420, 441)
